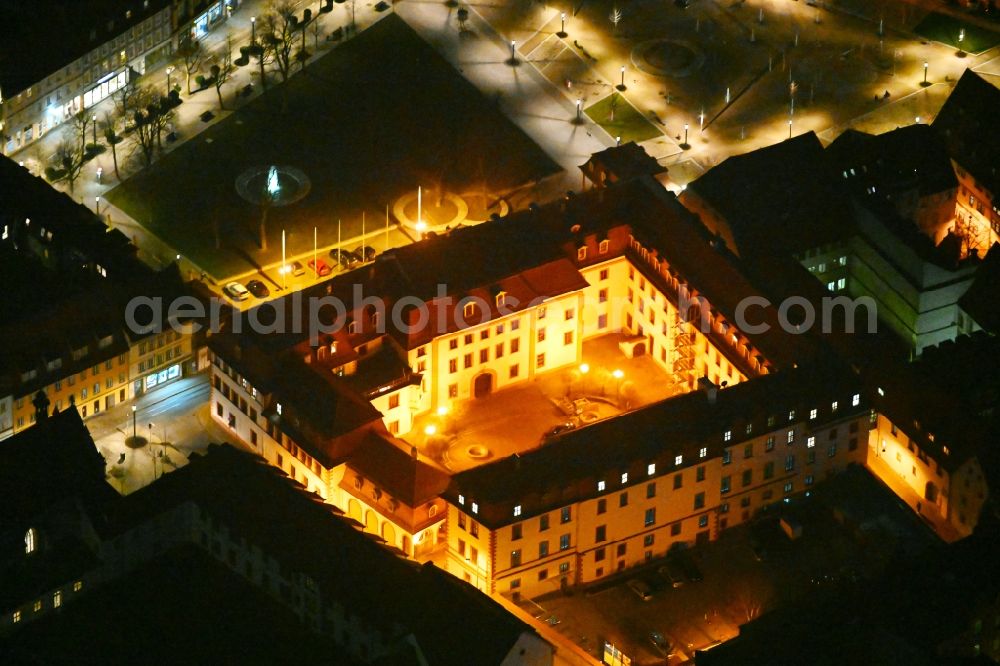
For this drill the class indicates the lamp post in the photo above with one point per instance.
(579, 110)
(789, 128)
(621, 86)
(618, 375)
(924, 82)
(93, 120)
(253, 30)
(562, 30)
(685, 145)
(513, 55)
(133, 423)
(151, 455)
(97, 205)
(618, 141)
(170, 70)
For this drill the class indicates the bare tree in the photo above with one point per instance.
(109, 126)
(750, 600)
(192, 55)
(222, 71)
(125, 103)
(80, 123)
(68, 162)
(151, 116)
(278, 32)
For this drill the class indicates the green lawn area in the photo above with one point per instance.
(370, 121)
(628, 123)
(945, 29)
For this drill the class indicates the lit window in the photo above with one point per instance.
(517, 510)
(841, 283)
(811, 442)
(703, 452)
(77, 586)
(624, 478)
(501, 299)
(603, 247)
(57, 599)
(728, 436)
(881, 392)
(278, 408)
(812, 413)
(30, 541)
(791, 436)
(856, 400)
(651, 469)
(581, 254)
(461, 500)
(38, 606)
(842, 261)
(833, 406)
(475, 508)
(600, 486)
(678, 460)
(469, 310)
(17, 616)
(791, 415)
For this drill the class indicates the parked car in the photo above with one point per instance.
(660, 644)
(365, 253)
(559, 429)
(319, 266)
(344, 258)
(297, 268)
(258, 289)
(641, 589)
(236, 291)
(672, 574)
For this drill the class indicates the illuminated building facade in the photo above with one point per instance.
(612, 496)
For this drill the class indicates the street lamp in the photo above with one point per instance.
(789, 128)
(97, 204)
(924, 82)
(685, 145)
(562, 30)
(253, 30)
(170, 70)
(133, 423)
(579, 111)
(621, 86)
(618, 141)
(513, 56)
(93, 120)
(584, 368)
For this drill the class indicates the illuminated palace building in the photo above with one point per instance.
(520, 296)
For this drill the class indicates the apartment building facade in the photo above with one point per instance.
(509, 537)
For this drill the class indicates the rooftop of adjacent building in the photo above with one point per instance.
(71, 224)
(967, 123)
(42, 36)
(783, 198)
(982, 300)
(308, 536)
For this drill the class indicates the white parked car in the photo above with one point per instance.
(236, 291)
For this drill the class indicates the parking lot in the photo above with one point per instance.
(739, 584)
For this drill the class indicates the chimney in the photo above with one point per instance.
(41, 403)
(710, 389)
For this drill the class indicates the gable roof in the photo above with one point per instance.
(782, 198)
(381, 459)
(967, 122)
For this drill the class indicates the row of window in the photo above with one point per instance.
(56, 602)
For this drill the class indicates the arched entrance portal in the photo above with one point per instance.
(482, 385)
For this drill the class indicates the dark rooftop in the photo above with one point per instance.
(42, 36)
(982, 299)
(783, 198)
(967, 122)
(401, 474)
(346, 564)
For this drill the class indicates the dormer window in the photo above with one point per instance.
(475, 508)
(469, 310)
(581, 253)
(678, 460)
(856, 400)
(277, 408)
(517, 510)
(602, 248)
(600, 486)
(624, 478)
(501, 299)
(31, 541)
(651, 469)
(461, 500)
